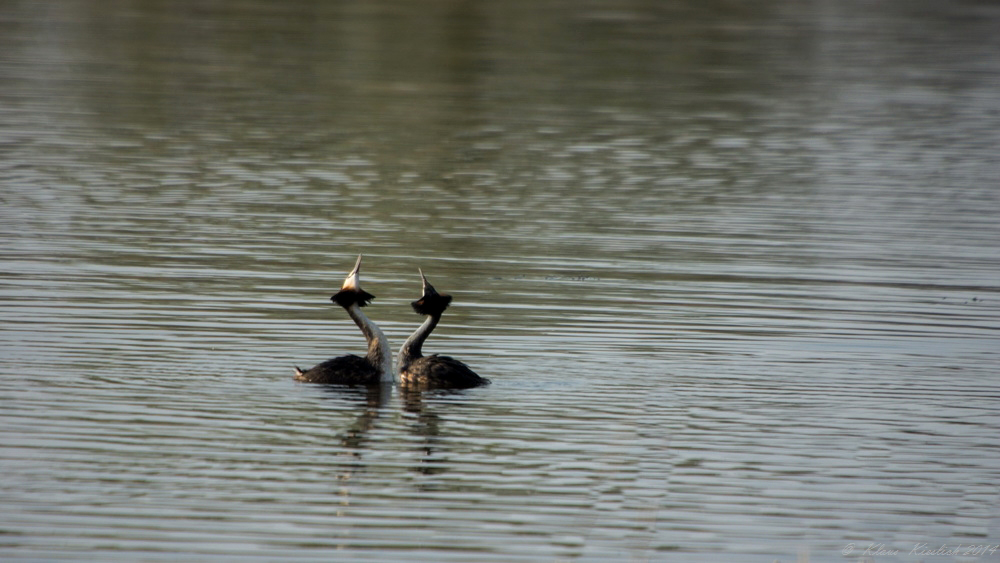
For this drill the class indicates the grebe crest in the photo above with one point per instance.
(431, 302)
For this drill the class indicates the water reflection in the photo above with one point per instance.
(371, 400)
(349, 456)
(426, 426)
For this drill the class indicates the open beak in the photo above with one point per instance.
(353, 281)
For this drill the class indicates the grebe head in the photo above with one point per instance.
(431, 302)
(351, 293)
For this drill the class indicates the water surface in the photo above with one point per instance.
(732, 270)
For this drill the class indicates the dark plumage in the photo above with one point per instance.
(347, 297)
(345, 370)
(431, 303)
(434, 371)
(441, 372)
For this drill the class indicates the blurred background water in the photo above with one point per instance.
(732, 268)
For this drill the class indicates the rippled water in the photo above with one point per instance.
(732, 270)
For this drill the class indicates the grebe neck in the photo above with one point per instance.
(379, 352)
(411, 349)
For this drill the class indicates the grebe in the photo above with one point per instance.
(417, 370)
(373, 369)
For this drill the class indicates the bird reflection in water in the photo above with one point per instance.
(426, 425)
(371, 400)
(352, 442)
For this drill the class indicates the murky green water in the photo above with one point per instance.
(733, 271)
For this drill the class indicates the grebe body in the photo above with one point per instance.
(434, 371)
(372, 369)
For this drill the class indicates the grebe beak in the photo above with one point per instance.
(428, 288)
(353, 281)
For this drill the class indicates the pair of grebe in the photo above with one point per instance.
(415, 369)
